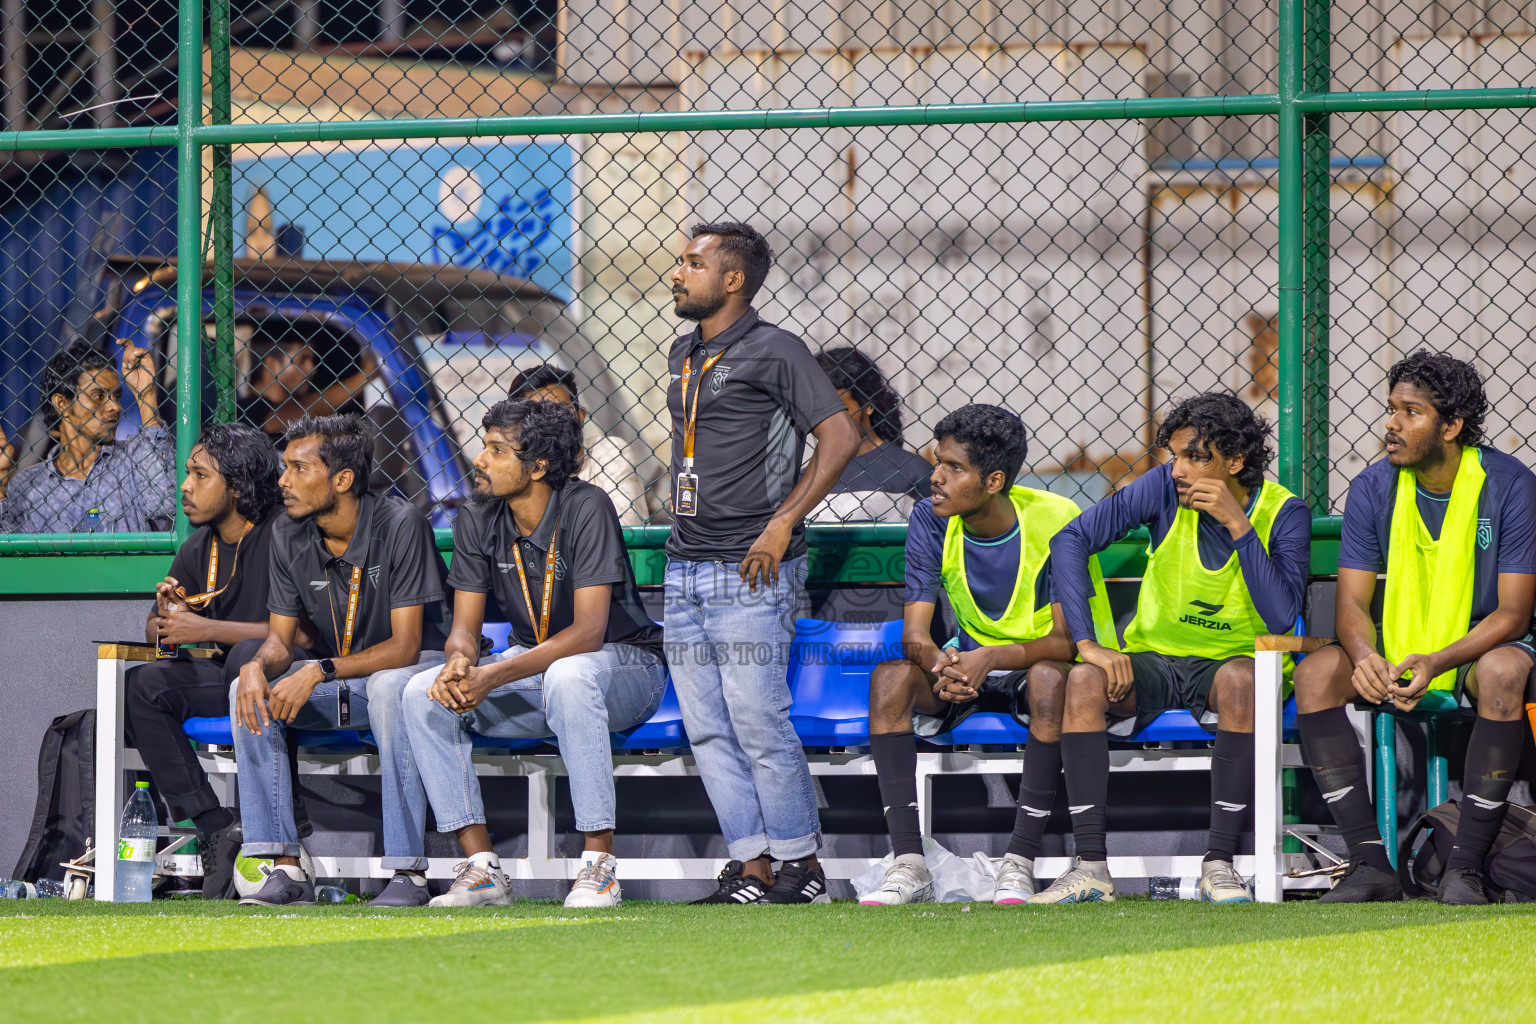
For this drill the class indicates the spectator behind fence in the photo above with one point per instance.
(1228, 562)
(585, 659)
(214, 596)
(626, 472)
(884, 479)
(91, 482)
(986, 543)
(744, 395)
(1451, 521)
(364, 568)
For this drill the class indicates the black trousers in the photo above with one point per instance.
(161, 695)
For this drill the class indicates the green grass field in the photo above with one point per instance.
(1132, 960)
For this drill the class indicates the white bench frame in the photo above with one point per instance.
(1268, 865)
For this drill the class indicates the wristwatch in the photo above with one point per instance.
(329, 668)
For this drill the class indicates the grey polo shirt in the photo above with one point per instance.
(755, 407)
(132, 482)
(589, 552)
(392, 545)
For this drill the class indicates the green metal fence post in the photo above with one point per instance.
(223, 214)
(189, 258)
(1317, 146)
(1292, 239)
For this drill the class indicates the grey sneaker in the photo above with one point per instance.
(477, 885)
(283, 890)
(1220, 884)
(907, 880)
(401, 892)
(1015, 880)
(218, 853)
(1087, 882)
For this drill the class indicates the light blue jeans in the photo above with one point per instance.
(728, 649)
(266, 791)
(579, 700)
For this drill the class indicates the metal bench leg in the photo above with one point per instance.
(541, 816)
(1386, 782)
(109, 772)
(1437, 768)
(1268, 864)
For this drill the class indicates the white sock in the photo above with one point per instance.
(420, 880)
(293, 871)
(485, 860)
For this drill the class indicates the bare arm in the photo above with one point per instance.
(961, 679)
(139, 376)
(401, 649)
(253, 691)
(1509, 621)
(837, 438)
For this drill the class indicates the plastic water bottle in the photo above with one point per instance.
(92, 521)
(1164, 888)
(136, 848)
(16, 889)
(334, 894)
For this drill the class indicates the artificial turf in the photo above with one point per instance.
(1132, 960)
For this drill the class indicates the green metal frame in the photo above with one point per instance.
(76, 564)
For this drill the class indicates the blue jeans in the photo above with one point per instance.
(266, 795)
(579, 700)
(728, 649)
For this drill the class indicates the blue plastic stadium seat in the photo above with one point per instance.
(498, 633)
(662, 731)
(984, 727)
(219, 731)
(829, 669)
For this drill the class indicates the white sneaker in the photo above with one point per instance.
(478, 883)
(1220, 884)
(907, 880)
(1087, 882)
(597, 884)
(1015, 880)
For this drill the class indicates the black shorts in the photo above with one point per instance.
(1165, 682)
(1002, 692)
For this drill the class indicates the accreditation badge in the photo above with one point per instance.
(685, 499)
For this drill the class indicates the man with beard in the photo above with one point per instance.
(1452, 524)
(1227, 562)
(585, 659)
(230, 494)
(91, 482)
(744, 395)
(364, 569)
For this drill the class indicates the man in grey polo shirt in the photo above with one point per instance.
(364, 569)
(91, 482)
(744, 394)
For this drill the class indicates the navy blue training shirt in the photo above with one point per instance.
(1277, 579)
(991, 567)
(1506, 512)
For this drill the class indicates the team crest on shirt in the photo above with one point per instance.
(717, 379)
(1484, 533)
(559, 567)
(373, 575)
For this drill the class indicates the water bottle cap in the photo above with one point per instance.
(141, 785)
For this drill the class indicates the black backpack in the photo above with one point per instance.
(1509, 871)
(66, 797)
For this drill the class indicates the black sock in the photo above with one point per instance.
(895, 755)
(1085, 758)
(1332, 751)
(1231, 792)
(1493, 754)
(211, 821)
(1037, 793)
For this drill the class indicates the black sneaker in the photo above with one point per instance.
(1363, 883)
(282, 890)
(735, 887)
(218, 853)
(1462, 887)
(798, 884)
(402, 891)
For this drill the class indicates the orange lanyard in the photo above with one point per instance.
(540, 627)
(691, 418)
(346, 641)
(200, 600)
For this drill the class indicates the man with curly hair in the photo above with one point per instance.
(585, 659)
(1452, 524)
(1227, 562)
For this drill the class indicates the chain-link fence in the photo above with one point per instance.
(1078, 210)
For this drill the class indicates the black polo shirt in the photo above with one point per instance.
(755, 407)
(589, 552)
(244, 577)
(392, 545)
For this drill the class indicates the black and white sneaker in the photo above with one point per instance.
(798, 883)
(283, 889)
(735, 887)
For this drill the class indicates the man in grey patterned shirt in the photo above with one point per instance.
(91, 482)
